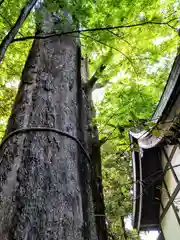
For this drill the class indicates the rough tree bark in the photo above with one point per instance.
(97, 188)
(93, 146)
(44, 183)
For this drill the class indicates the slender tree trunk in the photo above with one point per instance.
(14, 30)
(44, 184)
(97, 188)
(92, 140)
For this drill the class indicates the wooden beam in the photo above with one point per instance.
(169, 204)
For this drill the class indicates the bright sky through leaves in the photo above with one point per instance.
(137, 61)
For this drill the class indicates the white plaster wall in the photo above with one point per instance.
(169, 178)
(170, 225)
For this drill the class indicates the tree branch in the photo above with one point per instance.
(128, 58)
(123, 39)
(9, 23)
(123, 227)
(116, 35)
(94, 78)
(92, 82)
(1, 2)
(14, 30)
(93, 30)
(100, 85)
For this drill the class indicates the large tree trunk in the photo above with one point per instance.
(44, 182)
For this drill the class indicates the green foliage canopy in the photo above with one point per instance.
(137, 60)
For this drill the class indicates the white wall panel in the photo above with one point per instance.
(170, 226)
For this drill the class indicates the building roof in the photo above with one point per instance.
(147, 169)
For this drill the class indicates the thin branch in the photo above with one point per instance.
(117, 35)
(169, 25)
(93, 30)
(92, 82)
(170, 14)
(123, 39)
(105, 139)
(115, 50)
(94, 78)
(96, 40)
(106, 123)
(14, 30)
